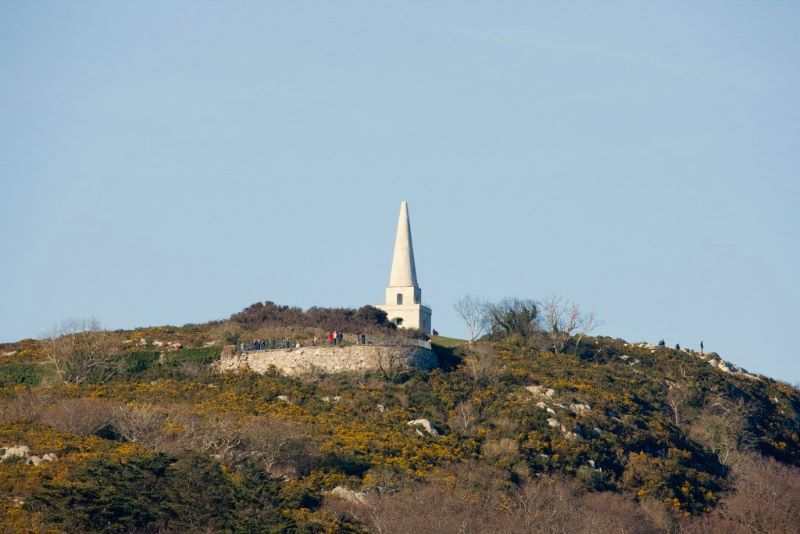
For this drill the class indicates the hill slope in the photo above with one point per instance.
(614, 436)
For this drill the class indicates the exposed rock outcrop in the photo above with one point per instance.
(579, 409)
(15, 451)
(22, 453)
(424, 423)
(542, 391)
(351, 496)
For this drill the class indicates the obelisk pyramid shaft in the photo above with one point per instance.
(404, 272)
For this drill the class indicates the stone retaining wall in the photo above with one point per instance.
(306, 360)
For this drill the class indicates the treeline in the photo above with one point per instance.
(270, 314)
(552, 324)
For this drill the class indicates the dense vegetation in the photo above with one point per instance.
(601, 435)
(268, 313)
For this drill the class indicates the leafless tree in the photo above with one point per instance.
(473, 311)
(24, 407)
(216, 434)
(504, 451)
(276, 444)
(767, 496)
(476, 499)
(721, 426)
(81, 415)
(221, 438)
(482, 365)
(463, 418)
(141, 423)
(676, 397)
(564, 320)
(385, 481)
(80, 350)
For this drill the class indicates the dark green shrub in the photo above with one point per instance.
(26, 374)
(346, 463)
(513, 317)
(161, 493)
(198, 356)
(140, 361)
(147, 494)
(108, 496)
(348, 319)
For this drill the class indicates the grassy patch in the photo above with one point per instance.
(448, 342)
(198, 356)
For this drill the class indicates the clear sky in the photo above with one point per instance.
(174, 162)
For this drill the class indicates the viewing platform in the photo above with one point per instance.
(310, 360)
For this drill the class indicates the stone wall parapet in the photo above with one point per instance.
(329, 359)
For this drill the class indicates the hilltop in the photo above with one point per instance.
(511, 433)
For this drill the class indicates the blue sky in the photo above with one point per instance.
(173, 162)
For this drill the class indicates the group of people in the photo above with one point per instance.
(335, 337)
(662, 343)
(260, 344)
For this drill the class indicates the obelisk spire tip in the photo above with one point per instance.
(404, 272)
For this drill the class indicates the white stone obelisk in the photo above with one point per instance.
(403, 294)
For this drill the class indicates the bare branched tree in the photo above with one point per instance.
(79, 416)
(472, 311)
(216, 434)
(563, 321)
(676, 398)
(482, 365)
(722, 427)
(221, 438)
(81, 351)
(273, 442)
(767, 496)
(463, 418)
(141, 424)
(24, 407)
